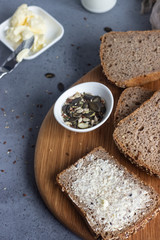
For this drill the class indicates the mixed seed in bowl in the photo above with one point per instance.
(83, 110)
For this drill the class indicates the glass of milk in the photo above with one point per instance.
(98, 6)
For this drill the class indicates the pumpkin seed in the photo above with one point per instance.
(96, 99)
(103, 109)
(85, 105)
(76, 101)
(65, 108)
(88, 96)
(94, 106)
(73, 119)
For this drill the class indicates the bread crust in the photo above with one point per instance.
(121, 103)
(139, 164)
(135, 81)
(121, 234)
(140, 80)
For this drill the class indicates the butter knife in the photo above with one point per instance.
(11, 61)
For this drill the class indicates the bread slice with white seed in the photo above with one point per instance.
(130, 99)
(113, 202)
(131, 58)
(138, 135)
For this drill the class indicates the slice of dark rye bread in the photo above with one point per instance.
(113, 202)
(130, 99)
(131, 58)
(138, 135)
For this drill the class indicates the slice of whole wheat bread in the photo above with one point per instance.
(130, 99)
(114, 202)
(138, 135)
(131, 58)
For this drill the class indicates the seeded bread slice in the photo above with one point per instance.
(113, 202)
(131, 58)
(130, 99)
(138, 135)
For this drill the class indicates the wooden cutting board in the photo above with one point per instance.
(57, 148)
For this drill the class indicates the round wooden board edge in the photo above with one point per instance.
(81, 80)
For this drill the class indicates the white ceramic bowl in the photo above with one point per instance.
(53, 34)
(93, 88)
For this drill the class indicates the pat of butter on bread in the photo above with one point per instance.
(114, 202)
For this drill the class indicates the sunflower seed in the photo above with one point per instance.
(86, 119)
(83, 125)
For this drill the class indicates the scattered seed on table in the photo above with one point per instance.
(50, 75)
(60, 87)
(108, 29)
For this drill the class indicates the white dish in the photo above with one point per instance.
(93, 88)
(53, 34)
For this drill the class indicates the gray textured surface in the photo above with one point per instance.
(25, 100)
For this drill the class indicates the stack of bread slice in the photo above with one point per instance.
(130, 59)
(138, 135)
